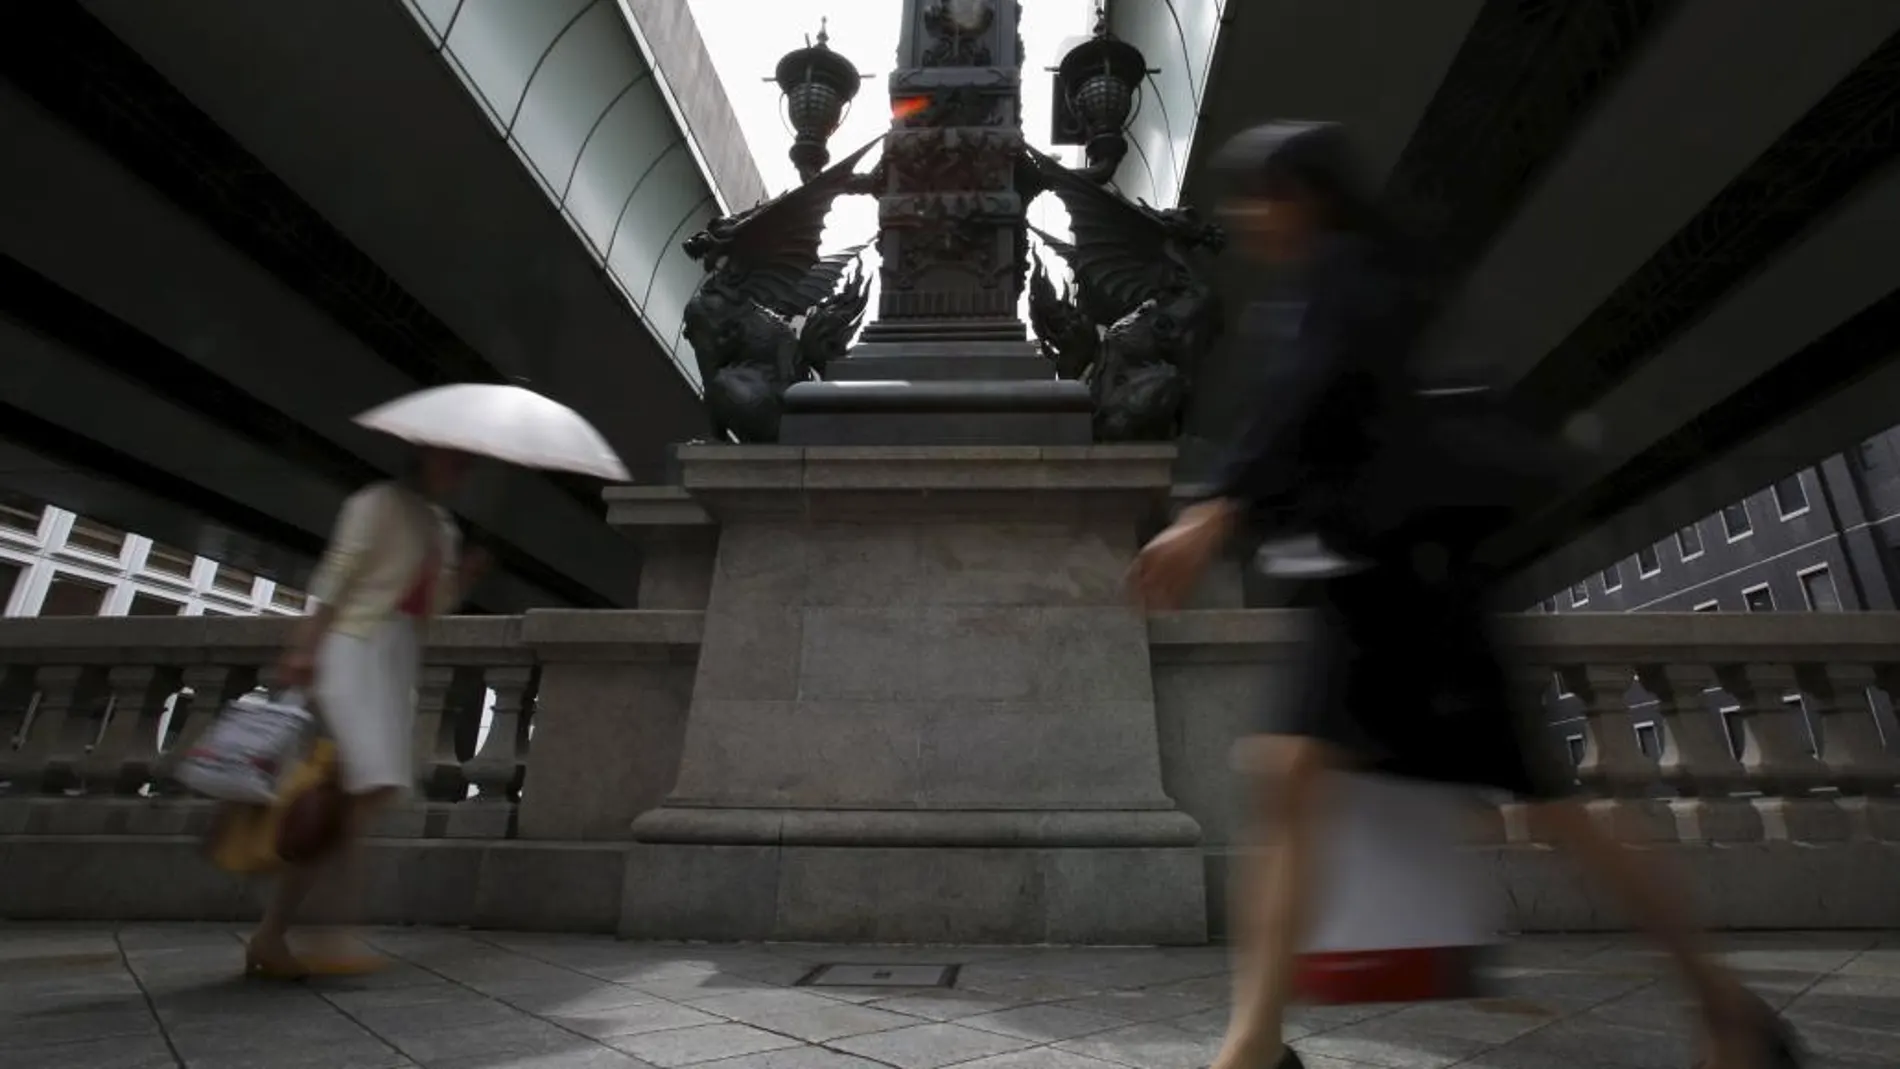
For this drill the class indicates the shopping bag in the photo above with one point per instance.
(314, 812)
(1403, 913)
(240, 757)
(244, 838)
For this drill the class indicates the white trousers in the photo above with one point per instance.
(366, 698)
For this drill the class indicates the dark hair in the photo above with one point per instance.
(1314, 161)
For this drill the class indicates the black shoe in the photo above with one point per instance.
(1777, 1045)
(1290, 1060)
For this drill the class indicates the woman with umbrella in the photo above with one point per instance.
(1344, 443)
(392, 565)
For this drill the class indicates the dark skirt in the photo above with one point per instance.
(1405, 677)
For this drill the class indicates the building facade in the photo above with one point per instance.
(1821, 539)
(56, 563)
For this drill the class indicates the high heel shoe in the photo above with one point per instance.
(272, 966)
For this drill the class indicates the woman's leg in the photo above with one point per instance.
(1273, 899)
(1644, 890)
(346, 868)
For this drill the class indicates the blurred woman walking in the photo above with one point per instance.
(1401, 492)
(392, 564)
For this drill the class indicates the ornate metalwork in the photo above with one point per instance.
(764, 271)
(1142, 313)
(952, 188)
(960, 30)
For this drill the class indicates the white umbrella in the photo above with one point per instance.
(508, 423)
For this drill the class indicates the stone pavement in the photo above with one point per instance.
(153, 997)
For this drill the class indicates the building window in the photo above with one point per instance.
(1732, 729)
(9, 581)
(68, 596)
(1649, 740)
(1791, 497)
(167, 560)
(233, 581)
(96, 538)
(1580, 594)
(1573, 744)
(1808, 728)
(1818, 586)
(1613, 578)
(147, 605)
(1708, 606)
(1689, 541)
(285, 597)
(1758, 599)
(1648, 561)
(20, 513)
(1735, 521)
(1550, 606)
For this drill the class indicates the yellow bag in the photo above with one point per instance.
(244, 839)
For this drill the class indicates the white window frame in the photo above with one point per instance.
(1655, 730)
(1701, 546)
(1747, 515)
(1801, 577)
(1747, 590)
(1581, 751)
(1711, 605)
(1579, 602)
(1806, 504)
(1657, 570)
(1615, 569)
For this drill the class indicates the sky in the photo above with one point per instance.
(747, 37)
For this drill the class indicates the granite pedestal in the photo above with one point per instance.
(923, 710)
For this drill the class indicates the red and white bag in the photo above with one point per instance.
(240, 756)
(1403, 914)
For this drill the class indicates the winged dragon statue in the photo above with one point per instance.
(1140, 314)
(771, 311)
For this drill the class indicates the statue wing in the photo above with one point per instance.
(834, 320)
(773, 249)
(1120, 255)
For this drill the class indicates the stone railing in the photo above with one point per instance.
(95, 712)
(1760, 749)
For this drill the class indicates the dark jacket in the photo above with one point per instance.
(1342, 437)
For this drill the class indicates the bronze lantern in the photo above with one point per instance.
(818, 85)
(1098, 90)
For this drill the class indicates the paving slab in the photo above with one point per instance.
(170, 997)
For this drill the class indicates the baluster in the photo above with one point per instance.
(56, 738)
(1614, 765)
(1696, 761)
(1775, 755)
(17, 709)
(438, 774)
(211, 686)
(1858, 762)
(492, 770)
(122, 758)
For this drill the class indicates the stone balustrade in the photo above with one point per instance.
(1758, 751)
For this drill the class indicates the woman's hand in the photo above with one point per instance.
(1167, 568)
